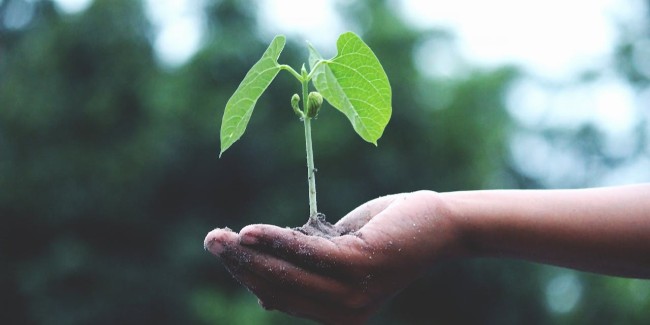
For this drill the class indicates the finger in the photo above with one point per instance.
(358, 217)
(239, 259)
(277, 297)
(270, 279)
(218, 239)
(310, 252)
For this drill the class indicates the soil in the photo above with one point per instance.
(320, 227)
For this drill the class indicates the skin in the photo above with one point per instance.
(395, 239)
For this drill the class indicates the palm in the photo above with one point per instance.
(347, 276)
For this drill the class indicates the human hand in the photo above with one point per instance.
(390, 242)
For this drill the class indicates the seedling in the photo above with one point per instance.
(353, 82)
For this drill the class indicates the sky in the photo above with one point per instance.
(553, 40)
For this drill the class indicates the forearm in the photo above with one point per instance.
(603, 230)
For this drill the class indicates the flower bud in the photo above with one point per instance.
(314, 102)
(295, 100)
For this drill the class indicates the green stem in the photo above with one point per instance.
(311, 170)
(313, 70)
(291, 70)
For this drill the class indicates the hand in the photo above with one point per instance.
(391, 241)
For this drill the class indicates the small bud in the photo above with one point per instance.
(295, 100)
(314, 102)
(303, 71)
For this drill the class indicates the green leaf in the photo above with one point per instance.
(240, 105)
(355, 83)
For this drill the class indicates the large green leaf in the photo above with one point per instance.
(240, 105)
(355, 83)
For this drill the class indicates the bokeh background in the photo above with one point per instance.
(109, 136)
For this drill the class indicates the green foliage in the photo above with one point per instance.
(240, 106)
(314, 103)
(355, 83)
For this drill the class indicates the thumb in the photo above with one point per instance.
(360, 216)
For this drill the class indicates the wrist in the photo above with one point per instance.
(447, 234)
(460, 211)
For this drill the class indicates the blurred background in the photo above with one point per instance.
(109, 137)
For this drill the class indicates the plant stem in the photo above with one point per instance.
(291, 70)
(311, 171)
(311, 175)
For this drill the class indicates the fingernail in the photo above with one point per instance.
(217, 239)
(213, 246)
(247, 239)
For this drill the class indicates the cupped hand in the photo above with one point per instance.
(389, 243)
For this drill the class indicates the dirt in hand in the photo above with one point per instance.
(320, 227)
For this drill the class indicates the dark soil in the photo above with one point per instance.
(320, 227)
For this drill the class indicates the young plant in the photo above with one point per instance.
(353, 82)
